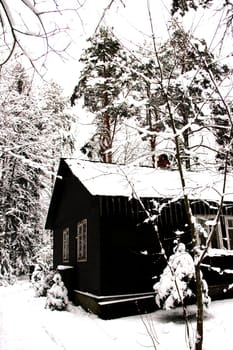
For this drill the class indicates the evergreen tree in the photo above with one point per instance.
(177, 77)
(177, 282)
(145, 76)
(57, 295)
(185, 69)
(104, 88)
(30, 139)
(183, 6)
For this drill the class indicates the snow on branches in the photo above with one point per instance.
(49, 284)
(57, 295)
(177, 282)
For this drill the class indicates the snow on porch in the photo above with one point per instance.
(128, 180)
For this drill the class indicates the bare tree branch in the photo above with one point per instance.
(27, 21)
(107, 8)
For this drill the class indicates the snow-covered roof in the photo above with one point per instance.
(130, 180)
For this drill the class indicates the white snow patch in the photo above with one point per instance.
(25, 324)
(122, 180)
(219, 252)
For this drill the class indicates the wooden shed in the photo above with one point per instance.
(103, 243)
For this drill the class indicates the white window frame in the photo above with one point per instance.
(82, 241)
(219, 237)
(228, 227)
(65, 245)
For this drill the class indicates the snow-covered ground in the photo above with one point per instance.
(25, 324)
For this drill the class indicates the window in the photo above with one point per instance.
(207, 223)
(229, 231)
(82, 240)
(66, 244)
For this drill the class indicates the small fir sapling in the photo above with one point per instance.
(177, 281)
(37, 280)
(41, 280)
(57, 295)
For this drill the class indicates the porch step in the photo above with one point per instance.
(113, 306)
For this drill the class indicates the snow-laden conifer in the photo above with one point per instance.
(177, 282)
(33, 126)
(57, 295)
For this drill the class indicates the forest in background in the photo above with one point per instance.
(35, 132)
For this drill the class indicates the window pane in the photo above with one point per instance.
(214, 240)
(230, 234)
(66, 245)
(82, 241)
(207, 225)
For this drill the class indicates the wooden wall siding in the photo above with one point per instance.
(172, 212)
(123, 268)
(228, 208)
(88, 273)
(171, 219)
(121, 207)
(57, 248)
(210, 208)
(75, 205)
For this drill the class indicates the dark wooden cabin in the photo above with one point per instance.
(106, 248)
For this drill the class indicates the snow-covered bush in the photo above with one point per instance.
(41, 280)
(57, 295)
(6, 272)
(177, 281)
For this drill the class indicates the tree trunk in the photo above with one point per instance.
(186, 147)
(188, 209)
(105, 130)
(150, 124)
(199, 327)
(105, 140)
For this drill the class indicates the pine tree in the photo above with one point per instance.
(145, 76)
(104, 87)
(185, 68)
(177, 75)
